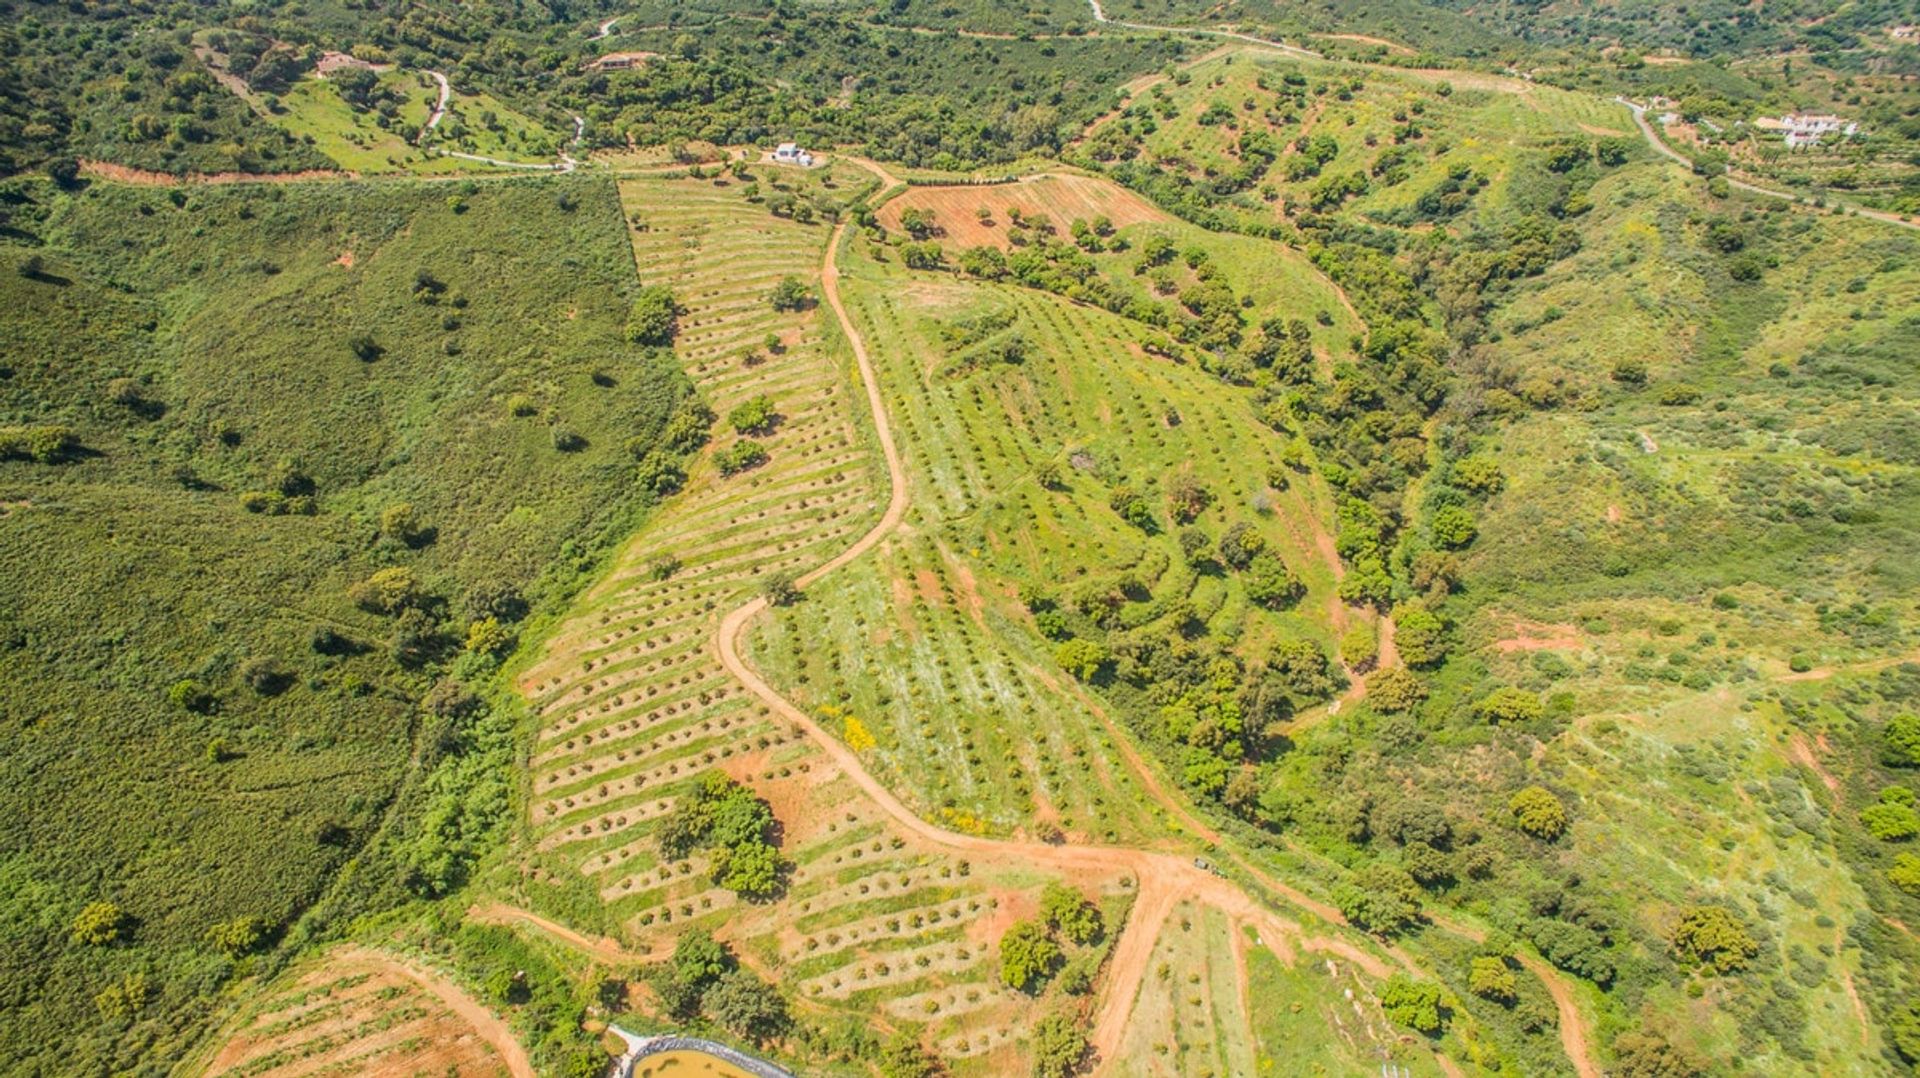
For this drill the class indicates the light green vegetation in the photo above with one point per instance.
(202, 725)
(1088, 407)
(373, 140)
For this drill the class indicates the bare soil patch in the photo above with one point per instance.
(1539, 636)
(1057, 197)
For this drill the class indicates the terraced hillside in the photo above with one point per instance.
(361, 1011)
(635, 703)
(878, 916)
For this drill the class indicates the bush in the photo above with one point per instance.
(1490, 978)
(1394, 691)
(189, 695)
(779, 589)
(654, 317)
(1713, 937)
(1900, 741)
(1508, 704)
(1381, 899)
(1082, 658)
(754, 417)
(1059, 1047)
(45, 444)
(1539, 813)
(1069, 912)
(1240, 544)
(1454, 527)
(1418, 1005)
(237, 937)
(97, 925)
(1270, 584)
(746, 1006)
(266, 676)
(1479, 475)
(739, 457)
(388, 591)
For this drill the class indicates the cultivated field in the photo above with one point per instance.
(1059, 198)
(362, 1011)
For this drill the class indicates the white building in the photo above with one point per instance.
(1808, 130)
(790, 153)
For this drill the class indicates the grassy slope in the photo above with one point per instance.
(120, 579)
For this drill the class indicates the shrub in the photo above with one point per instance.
(1905, 1028)
(739, 457)
(1645, 1055)
(388, 591)
(791, 294)
(1382, 899)
(1900, 741)
(189, 695)
(1454, 527)
(266, 675)
(1478, 474)
(237, 937)
(1082, 658)
(1027, 956)
(1359, 645)
(904, 1057)
(1489, 978)
(364, 347)
(1418, 634)
(1508, 704)
(568, 440)
(1068, 911)
(654, 317)
(1418, 1005)
(1893, 819)
(779, 589)
(1396, 690)
(99, 924)
(44, 444)
(1539, 813)
(487, 637)
(1905, 873)
(755, 416)
(1059, 1047)
(1713, 937)
(401, 523)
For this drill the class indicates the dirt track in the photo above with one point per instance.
(490, 1028)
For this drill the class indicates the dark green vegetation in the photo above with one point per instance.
(330, 447)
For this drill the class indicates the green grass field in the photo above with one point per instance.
(214, 359)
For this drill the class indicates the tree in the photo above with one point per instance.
(756, 416)
(780, 589)
(1418, 1005)
(654, 318)
(1509, 704)
(1059, 1047)
(739, 457)
(1082, 658)
(1713, 937)
(1539, 813)
(236, 937)
(746, 1006)
(1359, 646)
(1893, 819)
(1900, 741)
(388, 591)
(1240, 544)
(1381, 899)
(1490, 978)
(751, 870)
(1646, 1055)
(1187, 497)
(1481, 475)
(1028, 956)
(1905, 873)
(1454, 527)
(1418, 634)
(1068, 911)
(1270, 584)
(99, 924)
(1396, 690)
(905, 1057)
(791, 294)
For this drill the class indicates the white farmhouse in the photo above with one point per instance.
(790, 153)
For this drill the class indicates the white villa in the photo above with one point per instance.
(790, 153)
(1809, 129)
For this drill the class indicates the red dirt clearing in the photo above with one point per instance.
(1537, 636)
(107, 170)
(1058, 197)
